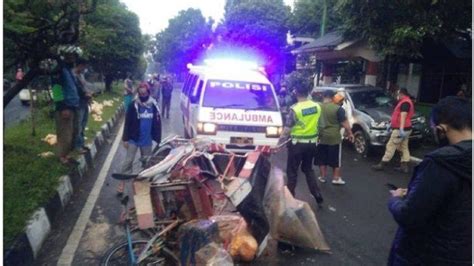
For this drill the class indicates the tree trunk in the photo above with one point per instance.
(108, 82)
(13, 91)
(32, 111)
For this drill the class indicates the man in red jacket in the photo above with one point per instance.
(401, 129)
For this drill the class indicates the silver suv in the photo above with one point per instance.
(368, 110)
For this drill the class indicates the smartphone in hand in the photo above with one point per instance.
(391, 186)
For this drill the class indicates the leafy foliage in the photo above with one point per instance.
(400, 27)
(113, 42)
(183, 41)
(258, 25)
(34, 29)
(302, 78)
(306, 18)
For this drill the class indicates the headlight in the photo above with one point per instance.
(380, 125)
(421, 119)
(273, 132)
(206, 128)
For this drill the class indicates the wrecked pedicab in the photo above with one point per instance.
(196, 203)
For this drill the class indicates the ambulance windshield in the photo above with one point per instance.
(239, 95)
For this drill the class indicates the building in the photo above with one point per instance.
(443, 69)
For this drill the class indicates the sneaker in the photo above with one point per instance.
(322, 179)
(339, 182)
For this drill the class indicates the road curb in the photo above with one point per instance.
(26, 246)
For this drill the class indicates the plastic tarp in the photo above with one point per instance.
(291, 220)
(213, 254)
(251, 208)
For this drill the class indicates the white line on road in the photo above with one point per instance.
(67, 254)
(415, 159)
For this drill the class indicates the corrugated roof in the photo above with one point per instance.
(327, 41)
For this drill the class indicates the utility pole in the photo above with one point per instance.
(324, 18)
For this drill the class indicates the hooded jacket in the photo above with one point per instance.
(435, 215)
(131, 129)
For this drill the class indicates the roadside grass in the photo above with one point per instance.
(30, 180)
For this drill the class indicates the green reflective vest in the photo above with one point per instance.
(307, 115)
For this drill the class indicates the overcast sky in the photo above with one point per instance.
(154, 15)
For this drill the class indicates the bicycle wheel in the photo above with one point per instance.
(118, 255)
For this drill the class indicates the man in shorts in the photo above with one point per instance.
(328, 151)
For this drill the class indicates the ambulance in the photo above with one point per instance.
(233, 103)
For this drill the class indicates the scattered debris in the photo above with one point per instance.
(109, 103)
(331, 208)
(46, 154)
(51, 139)
(96, 117)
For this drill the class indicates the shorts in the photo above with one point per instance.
(328, 155)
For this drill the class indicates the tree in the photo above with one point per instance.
(258, 25)
(33, 30)
(113, 41)
(307, 17)
(400, 28)
(184, 40)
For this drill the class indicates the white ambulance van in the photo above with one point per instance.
(232, 103)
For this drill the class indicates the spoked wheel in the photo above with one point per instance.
(118, 255)
(361, 144)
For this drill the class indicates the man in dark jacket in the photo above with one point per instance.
(434, 213)
(142, 126)
(166, 93)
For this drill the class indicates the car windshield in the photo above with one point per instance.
(371, 99)
(239, 95)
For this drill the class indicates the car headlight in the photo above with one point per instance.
(206, 128)
(273, 132)
(421, 119)
(380, 125)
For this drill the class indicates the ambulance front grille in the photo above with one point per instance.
(240, 128)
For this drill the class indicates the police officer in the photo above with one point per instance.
(302, 126)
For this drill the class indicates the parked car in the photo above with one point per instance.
(25, 97)
(369, 110)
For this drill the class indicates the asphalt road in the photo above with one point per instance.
(354, 220)
(15, 112)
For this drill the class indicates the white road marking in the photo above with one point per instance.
(67, 254)
(415, 159)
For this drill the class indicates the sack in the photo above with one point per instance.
(243, 246)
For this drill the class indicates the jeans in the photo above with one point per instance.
(165, 106)
(127, 167)
(82, 118)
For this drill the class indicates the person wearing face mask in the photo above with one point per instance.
(434, 214)
(401, 129)
(142, 127)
